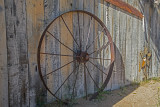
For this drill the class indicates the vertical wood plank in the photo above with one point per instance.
(96, 32)
(109, 24)
(65, 5)
(134, 45)
(17, 53)
(154, 41)
(53, 62)
(141, 41)
(52, 46)
(66, 38)
(101, 40)
(35, 24)
(3, 58)
(122, 34)
(158, 33)
(99, 11)
(51, 10)
(78, 4)
(128, 65)
(89, 6)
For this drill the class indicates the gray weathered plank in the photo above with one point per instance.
(122, 34)
(128, 61)
(134, 46)
(52, 46)
(116, 39)
(89, 6)
(78, 4)
(17, 53)
(3, 58)
(109, 23)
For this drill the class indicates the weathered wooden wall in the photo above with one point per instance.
(23, 21)
(3, 58)
(152, 35)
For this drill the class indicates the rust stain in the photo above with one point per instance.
(126, 7)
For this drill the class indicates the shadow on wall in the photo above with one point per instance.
(118, 74)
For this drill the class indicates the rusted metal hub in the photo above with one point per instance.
(82, 57)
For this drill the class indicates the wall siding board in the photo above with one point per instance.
(116, 38)
(3, 58)
(140, 41)
(65, 5)
(97, 8)
(134, 50)
(131, 50)
(154, 23)
(139, 22)
(122, 34)
(17, 53)
(102, 38)
(78, 34)
(135, 43)
(142, 45)
(52, 62)
(128, 65)
(158, 33)
(105, 53)
(51, 10)
(89, 6)
(66, 38)
(109, 21)
(35, 24)
(152, 41)
(77, 5)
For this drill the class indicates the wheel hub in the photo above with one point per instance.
(82, 57)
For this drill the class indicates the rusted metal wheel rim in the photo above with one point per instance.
(81, 56)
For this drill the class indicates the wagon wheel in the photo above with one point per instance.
(79, 60)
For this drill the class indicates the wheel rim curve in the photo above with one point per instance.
(111, 49)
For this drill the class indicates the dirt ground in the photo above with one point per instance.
(146, 94)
